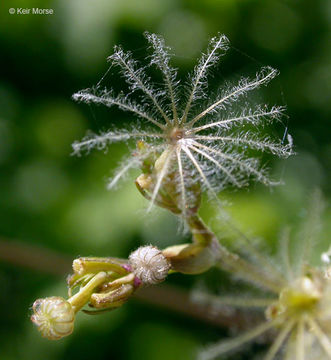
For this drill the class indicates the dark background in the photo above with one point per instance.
(54, 207)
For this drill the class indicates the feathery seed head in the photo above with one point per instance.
(196, 144)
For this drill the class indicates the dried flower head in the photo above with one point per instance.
(188, 143)
(54, 317)
(149, 265)
(298, 306)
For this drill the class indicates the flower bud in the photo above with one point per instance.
(113, 298)
(86, 265)
(144, 181)
(149, 265)
(54, 317)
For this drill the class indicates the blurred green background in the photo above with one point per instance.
(55, 207)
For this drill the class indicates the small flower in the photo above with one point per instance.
(190, 143)
(299, 309)
(54, 317)
(149, 265)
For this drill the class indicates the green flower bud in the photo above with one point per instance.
(54, 317)
(113, 298)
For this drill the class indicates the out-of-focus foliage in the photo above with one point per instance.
(59, 202)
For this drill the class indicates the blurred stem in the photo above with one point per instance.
(34, 257)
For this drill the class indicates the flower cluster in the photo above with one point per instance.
(107, 283)
(298, 306)
(104, 283)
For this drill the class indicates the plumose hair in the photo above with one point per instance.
(209, 144)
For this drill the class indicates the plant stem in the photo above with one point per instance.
(227, 260)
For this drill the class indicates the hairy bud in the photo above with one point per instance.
(149, 265)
